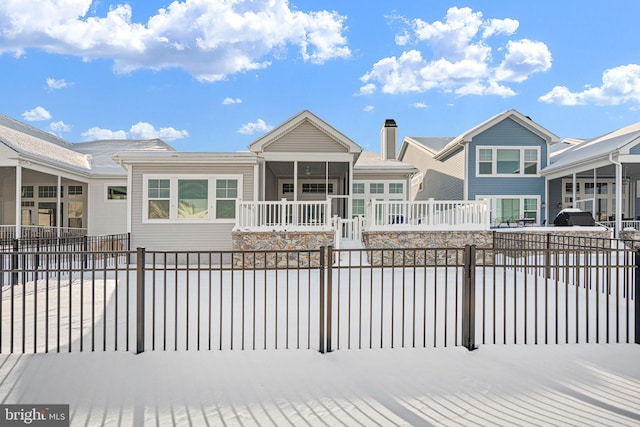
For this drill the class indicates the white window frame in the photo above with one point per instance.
(385, 195)
(494, 161)
(106, 192)
(492, 205)
(173, 198)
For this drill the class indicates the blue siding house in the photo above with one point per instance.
(502, 159)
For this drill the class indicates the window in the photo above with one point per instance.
(507, 161)
(588, 187)
(396, 188)
(193, 198)
(226, 195)
(516, 161)
(357, 207)
(27, 191)
(287, 188)
(75, 214)
(376, 188)
(316, 188)
(75, 191)
(530, 162)
(568, 187)
(47, 191)
(116, 192)
(485, 161)
(159, 193)
(530, 208)
(358, 188)
(27, 204)
(511, 209)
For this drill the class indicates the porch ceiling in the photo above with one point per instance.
(628, 169)
(308, 169)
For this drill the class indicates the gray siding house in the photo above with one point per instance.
(499, 160)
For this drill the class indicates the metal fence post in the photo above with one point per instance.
(547, 257)
(14, 262)
(85, 248)
(329, 297)
(636, 297)
(140, 259)
(469, 298)
(322, 302)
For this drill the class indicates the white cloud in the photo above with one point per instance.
(144, 130)
(619, 85)
(97, 133)
(56, 84)
(419, 105)
(141, 130)
(402, 39)
(37, 114)
(463, 61)
(523, 58)
(59, 127)
(209, 39)
(255, 127)
(368, 108)
(367, 89)
(228, 101)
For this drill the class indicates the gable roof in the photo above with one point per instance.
(36, 144)
(514, 115)
(431, 144)
(590, 152)
(259, 145)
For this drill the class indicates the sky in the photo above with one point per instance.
(215, 75)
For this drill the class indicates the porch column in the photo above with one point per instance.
(350, 191)
(58, 205)
(573, 195)
(295, 180)
(18, 201)
(618, 198)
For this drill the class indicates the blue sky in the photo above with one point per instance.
(214, 75)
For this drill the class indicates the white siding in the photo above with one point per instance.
(442, 180)
(106, 217)
(176, 236)
(306, 138)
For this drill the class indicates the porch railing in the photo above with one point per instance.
(428, 215)
(283, 215)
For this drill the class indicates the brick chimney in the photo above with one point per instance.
(389, 140)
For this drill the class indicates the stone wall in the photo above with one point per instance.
(631, 238)
(279, 241)
(419, 247)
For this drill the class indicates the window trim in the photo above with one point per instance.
(106, 192)
(494, 161)
(173, 198)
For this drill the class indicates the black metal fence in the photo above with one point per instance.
(323, 299)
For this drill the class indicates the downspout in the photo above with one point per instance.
(618, 196)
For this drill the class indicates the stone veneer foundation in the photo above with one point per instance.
(400, 247)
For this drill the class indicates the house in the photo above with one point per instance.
(51, 186)
(298, 178)
(499, 160)
(167, 199)
(600, 175)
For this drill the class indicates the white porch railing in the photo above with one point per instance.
(428, 215)
(625, 224)
(283, 215)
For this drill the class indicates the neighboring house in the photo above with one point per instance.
(49, 185)
(499, 160)
(600, 175)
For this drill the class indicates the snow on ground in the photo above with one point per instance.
(496, 385)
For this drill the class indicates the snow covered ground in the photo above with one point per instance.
(513, 384)
(575, 384)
